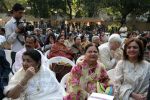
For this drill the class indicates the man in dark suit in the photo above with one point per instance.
(4, 72)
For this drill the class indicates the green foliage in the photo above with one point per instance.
(91, 7)
(126, 7)
(82, 8)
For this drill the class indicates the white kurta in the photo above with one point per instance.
(106, 57)
(11, 36)
(18, 60)
(130, 77)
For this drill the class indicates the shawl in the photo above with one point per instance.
(59, 49)
(42, 86)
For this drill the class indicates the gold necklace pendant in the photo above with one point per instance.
(38, 89)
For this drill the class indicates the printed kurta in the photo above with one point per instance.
(130, 77)
(84, 80)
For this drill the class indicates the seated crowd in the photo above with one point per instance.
(33, 78)
(93, 55)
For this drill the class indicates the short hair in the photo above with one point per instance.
(115, 38)
(141, 49)
(3, 30)
(82, 37)
(131, 33)
(94, 37)
(128, 34)
(36, 29)
(17, 7)
(31, 36)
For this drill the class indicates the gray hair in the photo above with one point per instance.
(115, 38)
(94, 38)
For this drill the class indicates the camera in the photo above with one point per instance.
(22, 28)
(25, 28)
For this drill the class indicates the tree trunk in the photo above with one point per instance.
(123, 21)
(148, 19)
(3, 5)
(69, 2)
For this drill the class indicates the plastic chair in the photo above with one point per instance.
(80, 59)
(63, 81)
(8, 56)
(61, 59)
(46, 53)
(111, 74)
(59, 65)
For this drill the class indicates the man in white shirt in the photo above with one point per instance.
(13, 33)
(110, 52)
(30, 43)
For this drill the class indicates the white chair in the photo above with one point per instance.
(80, 59)
(46, 53)
(8, 56)
(63, 81)
(111, 74)
(60, 71)
(58, 59)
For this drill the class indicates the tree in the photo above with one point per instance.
(126, 7)
(6, 5)
(3, 6)
(91, 7)
(69, 3)
(39, 8)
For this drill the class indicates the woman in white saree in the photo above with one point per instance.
(132, 73)
(35, 81)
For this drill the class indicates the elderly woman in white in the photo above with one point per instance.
(34, 81)
(110, 52)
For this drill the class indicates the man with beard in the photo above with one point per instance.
(14, 34)
(30, 43)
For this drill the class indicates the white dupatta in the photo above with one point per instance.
(42, 86)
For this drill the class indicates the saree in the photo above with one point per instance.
(59, 49)
(83, 81)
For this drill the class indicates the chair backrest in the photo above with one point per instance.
(8, 56)
(46, 53)
(61, 66)
(64, 80)
(58, 59)
(111, 74)
(80, 59)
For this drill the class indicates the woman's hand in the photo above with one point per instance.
(138, 96)
(29, 73)
(16, 91)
